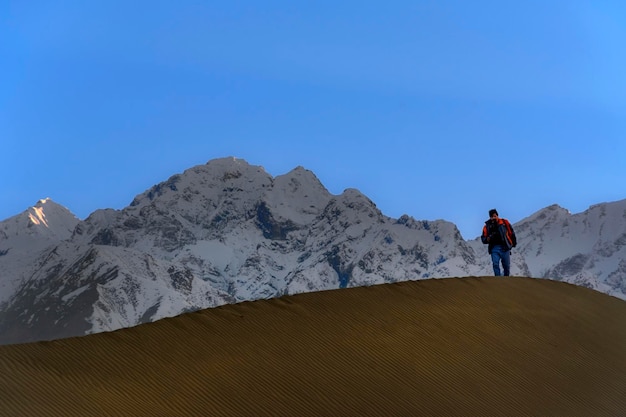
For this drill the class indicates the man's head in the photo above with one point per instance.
(493, 214)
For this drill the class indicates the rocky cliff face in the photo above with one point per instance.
(227, 232)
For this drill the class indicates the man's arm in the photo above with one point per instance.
(485, 236)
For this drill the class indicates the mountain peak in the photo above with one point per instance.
(230, 162)
(44, 218)
(23, 236)
(37, 213)
(57, 219)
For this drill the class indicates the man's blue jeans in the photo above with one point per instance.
(500, 253)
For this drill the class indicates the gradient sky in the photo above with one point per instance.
(436, 109)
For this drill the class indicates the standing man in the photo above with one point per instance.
(499, 235)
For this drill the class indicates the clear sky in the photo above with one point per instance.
(436, 109)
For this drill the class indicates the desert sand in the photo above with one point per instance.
(478, 346)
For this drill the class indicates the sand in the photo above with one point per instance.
(479, 346)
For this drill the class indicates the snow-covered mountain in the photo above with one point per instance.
(25, 236)
(228, 231)
(587, 249)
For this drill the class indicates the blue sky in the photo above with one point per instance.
(436, 109)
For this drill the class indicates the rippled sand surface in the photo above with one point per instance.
(480, 346)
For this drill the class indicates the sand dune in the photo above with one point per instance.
(451, 347)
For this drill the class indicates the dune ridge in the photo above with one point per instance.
(455, 347)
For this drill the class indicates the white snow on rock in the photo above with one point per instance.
(227, 231)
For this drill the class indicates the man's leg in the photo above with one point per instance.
(495, 259)
(506, 262)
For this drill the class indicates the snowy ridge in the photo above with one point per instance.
(227, 231)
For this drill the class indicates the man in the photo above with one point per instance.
(499, 235)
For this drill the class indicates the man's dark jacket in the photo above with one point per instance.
(505, 234)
